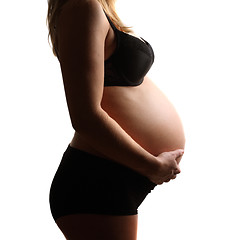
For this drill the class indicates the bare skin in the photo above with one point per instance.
(139, 123)
(96, 227)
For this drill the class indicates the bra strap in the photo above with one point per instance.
(111, 23)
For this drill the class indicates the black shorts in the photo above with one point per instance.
(85, 183)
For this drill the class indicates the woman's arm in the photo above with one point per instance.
(82, 30)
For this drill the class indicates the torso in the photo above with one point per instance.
(143, 111)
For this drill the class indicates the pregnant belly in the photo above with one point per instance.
(147, 115)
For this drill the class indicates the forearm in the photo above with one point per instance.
(107, 137)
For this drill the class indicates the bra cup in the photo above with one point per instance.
(130, 61)
(135, 66)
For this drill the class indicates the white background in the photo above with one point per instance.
(197, 65)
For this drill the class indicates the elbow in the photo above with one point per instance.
(87, 121)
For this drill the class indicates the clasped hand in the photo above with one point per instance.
(167, 166)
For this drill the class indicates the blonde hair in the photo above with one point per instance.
(55, 6)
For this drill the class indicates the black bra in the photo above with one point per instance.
(130, 62)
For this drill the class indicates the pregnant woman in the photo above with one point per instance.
(128, 136)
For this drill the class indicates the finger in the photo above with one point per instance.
(174, 176)
(161, 182)
(177, 170)
(178, 159)
(178, 153)
(171, 178)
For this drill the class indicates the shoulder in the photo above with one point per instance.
(82, 4)
(87, 12)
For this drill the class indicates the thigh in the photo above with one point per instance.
(95, 227)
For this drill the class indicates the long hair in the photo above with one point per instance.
(55, 6)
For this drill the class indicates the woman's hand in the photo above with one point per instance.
(167, 167)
